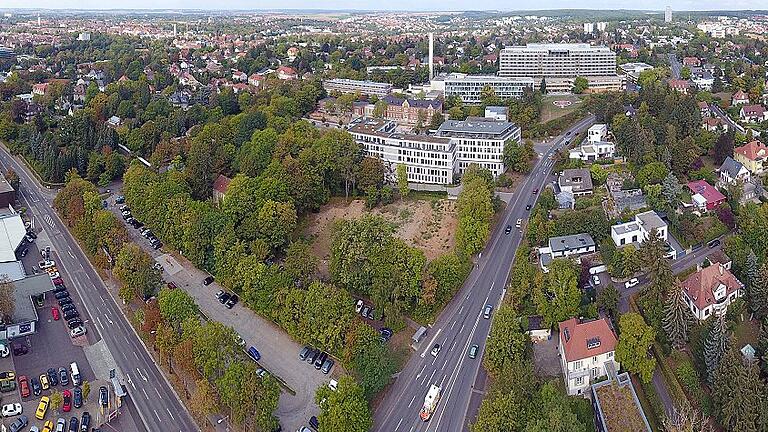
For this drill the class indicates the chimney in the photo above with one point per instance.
(431, 55)
(721, 268)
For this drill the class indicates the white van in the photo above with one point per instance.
(598, 269)
(75, 374)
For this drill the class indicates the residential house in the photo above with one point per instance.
(711, 290)
(691, 62)
(591, 151)
(565, 247)
(576, 180)
(586, 348)
(292, 53)
(753, 156)
(255, 80)
(616, 405)
(682, 86)
(714, 124)
(739, 98)
(704, 109)
(732, 170)
(287, 73)
(752, 113)
(220, 186)
(239, 76)
(639, 229)
(705, 197)
(597, 133)
(402, 111)
(39, 89)
(114, 121)
(78, 94)
(537, 329)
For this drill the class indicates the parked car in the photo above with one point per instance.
(359, 306)
(64, 301)
(19, 349)
(59, 288)
(23, 386)
(68, 307)
(208, 280)
(75, 323)
(7, 386)
(63, 376)
(11, 409)
(77, 397)
(42, 407)
(71, 314)
(630, 283)
(66, 405)
(103, 396)
(18, 424)
(528, 207)
(73, 424)
(61, 294)
(85, 421)
(7, 375)
(595, 280)
(314, 423)
(44, 382)
(714, 243)
(327, 366)
(61, 425)
(320, 360)
(473, 351)
(47, 426)
(365, 311)
(254, 353)
(519, 223)
(120, 199)
(224, 298)
(232, 301)
(53, 377)
(313, 356)
(435, 350)
(304, 352)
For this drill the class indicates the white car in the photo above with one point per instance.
(4, 351)
(630, 283)
(596, 280)
(12, 409)
(435, 350)
(45, 264)
(519, 223)
(358, 306)
(77, 331)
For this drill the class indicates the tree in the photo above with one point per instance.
(402, 180)
(134, 268)
(715, 346)
(608, 300)
(13, 178)
(176, 306)
(507, 341)
(344, 409)
(374, 367)
(652, 173)
(380, 109)
(677, 319)
(559, 298)
(671, 190)
(436, 120)
(580, 85)
(7, 299)
(204, 400)
(57, 400)
(635, 338)
(723, 148)
(738, 393)
(300, 262)
(758, 292)
(598, 174)
(517, 157)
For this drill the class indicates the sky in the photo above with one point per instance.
(422, 5)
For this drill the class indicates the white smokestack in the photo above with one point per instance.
(431, 55)
(174, 30)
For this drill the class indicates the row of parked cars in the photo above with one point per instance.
(320, 359)
(66, 308)
(228, 300)
(75, 425)
(144, 231)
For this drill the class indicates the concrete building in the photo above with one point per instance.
(498, 113)
(7, 193)
(616, 405)
(428, 159)
(586, 348)
(711, 290)
(480, 141)
(24, 319)
(560, 64)
(639, 229)
(469, 87)
(371, 88)
(597, 133)
(668, 14)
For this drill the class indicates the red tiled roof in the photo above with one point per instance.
(221, 184)
(751, 110)
(679, 84)
(574, 336)
(700, 286)
(753, 150)
(740, 95)
(286, 70)
(706, 190)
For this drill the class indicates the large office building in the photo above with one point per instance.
(355, 86)
(560, 64)
(439, 158)
(469, 87)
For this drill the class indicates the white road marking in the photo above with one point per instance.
(411, 402)
(170, 414)
(145, 393)
(429, 346)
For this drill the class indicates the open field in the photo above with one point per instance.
(550, 112)
(428, 224)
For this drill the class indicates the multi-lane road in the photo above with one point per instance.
(461, 324)
(152, 396)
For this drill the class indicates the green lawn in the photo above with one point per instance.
(550, 112)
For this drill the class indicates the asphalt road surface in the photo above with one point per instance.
(675, 65)
(461, 324)
(155, 402)
(729, 121)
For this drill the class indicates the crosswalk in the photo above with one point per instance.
(47, 218)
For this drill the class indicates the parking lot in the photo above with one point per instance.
(279, 353)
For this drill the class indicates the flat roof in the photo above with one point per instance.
(464, 126)
(618, 406)
(650, 220)
(569, 242)
(558, 47)
(12, 232)
(23, 292)
(625, 228)
(4, 185)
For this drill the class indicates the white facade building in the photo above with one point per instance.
(557, 60)
(639, 230)
(355, 86)
(597, 132)
(565, 247)
(585, 350)
(436, 159)
(711, 290)
(469, 87)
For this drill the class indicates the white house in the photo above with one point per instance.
(564, 247)
(590, 151)
(498, 113)
(597, 132)
(732, 170)
(711, 290)
(639, 229)
(585, 350)
(578, 181)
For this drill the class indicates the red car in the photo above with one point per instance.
(23, 386)
(67, 405)
(58, 281)
(55, 313)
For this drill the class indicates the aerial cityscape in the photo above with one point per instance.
(387, 219)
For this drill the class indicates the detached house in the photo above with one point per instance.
(287, 73)
(682, 86)
(565, 247)
(752, 113)
(711, 290)
(704, 196)
(639, 230)
(732, 170)
(753, 156)
(586, 348)
(739, 98)
(577, 181)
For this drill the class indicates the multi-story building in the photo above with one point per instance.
(436, 159)
(639, 229)
(577, 181)
(428, 159)
(379, 89)
(586, 348)
(480, 141)
(402, 111)
(711, 290)
(565, 247)
(560, 64)
(469, 87)
(753, 155)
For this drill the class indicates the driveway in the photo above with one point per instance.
(546, 359)
(279, 353)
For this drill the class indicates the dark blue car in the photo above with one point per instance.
(254, 353)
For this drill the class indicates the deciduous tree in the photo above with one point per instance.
(559, 298)
(344, 409)
(635, 339)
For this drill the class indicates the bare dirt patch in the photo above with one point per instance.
(428, 224)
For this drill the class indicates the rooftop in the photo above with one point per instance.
(577, 178)
(12, 232)
(23, 292)
(585, 339)
(475, 127)
(650, 220)
(618, 407)
(701, 285)
(4, 185)
(570, 242)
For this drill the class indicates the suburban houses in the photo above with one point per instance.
(710, 291)
(586, 348)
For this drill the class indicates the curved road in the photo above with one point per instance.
(155, 401)
(461, 325)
